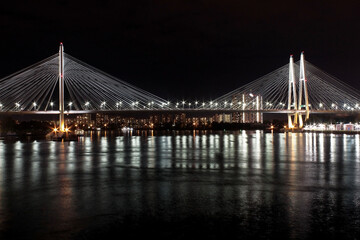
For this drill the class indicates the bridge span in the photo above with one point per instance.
(64, 85)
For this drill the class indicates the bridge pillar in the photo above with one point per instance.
(303, 87)
(61, 88)
(292, 99)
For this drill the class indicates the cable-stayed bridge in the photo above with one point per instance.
(63, 84)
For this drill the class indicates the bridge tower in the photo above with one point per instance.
(292, 99)
(303, 87)
(61, 88)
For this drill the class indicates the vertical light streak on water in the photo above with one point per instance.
(167, 152)
(333, 146)
(151, 151)
(224, 150)
(232, 149)
(321, 150)
(64, 210)
(135, 151)
(314, 147)
(119, 150)
(87, 154)
(345, 147)
(269, 151)
(310, 146)
(211, 149)
(190, 151)
(205, 150)
(282, 148)
(256, 149)
(184, 151)
(293, 141)
(357, 147)
(104, 144)
(243, 142)
(177, 150)
(35, 164)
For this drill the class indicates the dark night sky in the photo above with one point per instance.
(184, 49)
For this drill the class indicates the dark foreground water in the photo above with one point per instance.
(236, 185)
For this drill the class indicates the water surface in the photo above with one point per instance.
(244, 184)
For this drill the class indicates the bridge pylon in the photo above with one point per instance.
(61, 88)
(292, 98)
(303, 92)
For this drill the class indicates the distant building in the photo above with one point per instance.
(246, 102)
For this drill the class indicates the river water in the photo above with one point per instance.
(182, 185)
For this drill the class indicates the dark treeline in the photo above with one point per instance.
(10, 126)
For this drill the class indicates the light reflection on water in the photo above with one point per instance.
(299, 184)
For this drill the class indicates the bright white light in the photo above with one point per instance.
(70, 103)
(251, 95)
(51, 104)
(320, 105)
(203, 104)
(34, 104)
(87, 104)
(183, 102)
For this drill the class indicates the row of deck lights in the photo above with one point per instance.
(181, 104)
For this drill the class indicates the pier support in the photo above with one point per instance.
(303, 87)
(61, 88)
(292, 99)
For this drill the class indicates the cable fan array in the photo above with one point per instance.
(86, 88)
(325, 92)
